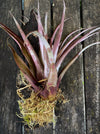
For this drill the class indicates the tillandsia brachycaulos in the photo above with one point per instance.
(42, 74)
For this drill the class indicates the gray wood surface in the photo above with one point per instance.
(81, 84)
(9, 123)
(91, 17)
(71, 117)
(44, 7)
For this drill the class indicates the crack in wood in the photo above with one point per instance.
(54, 121)
(97, 78)
(83, 72)
(22, 129)
(51, 4)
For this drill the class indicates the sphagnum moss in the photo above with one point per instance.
(35, 110)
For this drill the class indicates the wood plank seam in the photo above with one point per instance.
(83, 71)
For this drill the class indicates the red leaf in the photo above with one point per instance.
(52, 78)
(55, 32)
(20, 43)
(39, 69)
(69, 42)
(23, 67)
(73, 44)
(59, 34)
(74, 59)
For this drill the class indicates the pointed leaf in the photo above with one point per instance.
(23, 67)
(20, 43)
(70, 36)
(45, 44)
(74, 59)
(75, 37)
(31, 51)
(16, 38)
(59, 34)
(43, 50)
(29, 60)
(40, 27)
(55, 32)
(72, 45)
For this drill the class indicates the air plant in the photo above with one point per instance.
(41, 74)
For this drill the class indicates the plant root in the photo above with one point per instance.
(35, 110)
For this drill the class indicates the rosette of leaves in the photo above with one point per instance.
(41, 73)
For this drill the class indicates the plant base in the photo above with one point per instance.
(35, 110)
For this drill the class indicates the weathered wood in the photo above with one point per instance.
(91, 17)
(81, 114)
(9, 123)
(71, 116)
(44, 7)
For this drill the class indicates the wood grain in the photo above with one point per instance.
(91, 17)
(81, 84)
(71, 116)
(9, 123)
(44, 7)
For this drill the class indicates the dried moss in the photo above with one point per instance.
(34, 109)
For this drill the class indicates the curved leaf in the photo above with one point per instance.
(70, 41)
(74, 59)
(74, 44)
(43, 50)
(46, 45)
(20, 43)
(16, 38)
(23, 67)
(39, 69)
(52, 78)
(55, 32)
(59, 34)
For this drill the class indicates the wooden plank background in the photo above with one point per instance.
(9, 123)
(91, 17)
(81, 84)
